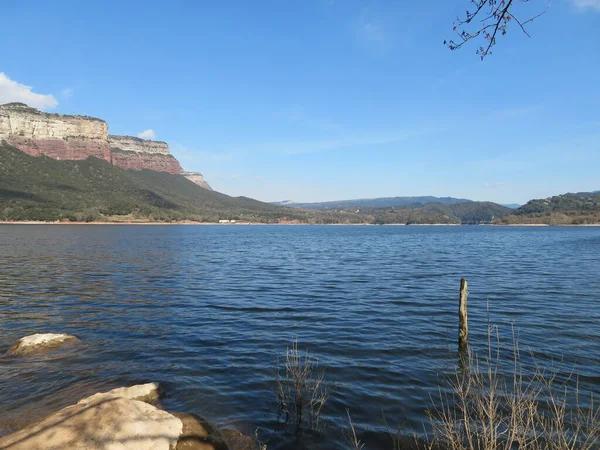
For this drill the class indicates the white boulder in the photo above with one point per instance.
(148, 393)
(117, 420)
(110, 423)
(39, 343)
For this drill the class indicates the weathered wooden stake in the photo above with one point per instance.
(463, 326)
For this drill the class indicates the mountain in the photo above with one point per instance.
(382, 202)
(577, 202)
(67, 137)
(45, 189)
(566, 209)
(42, 188)
(510, 205)
(458, 213)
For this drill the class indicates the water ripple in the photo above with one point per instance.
(207, 311)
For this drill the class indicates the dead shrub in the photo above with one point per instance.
(484, 409)
(301, 390)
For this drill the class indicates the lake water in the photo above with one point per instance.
(207, 311)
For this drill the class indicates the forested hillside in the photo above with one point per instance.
(41, 188)
(581, 208)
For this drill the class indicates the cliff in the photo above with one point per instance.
(137, 145)
(54, 135)
(133, 153)
(197, 178)
(66, 137)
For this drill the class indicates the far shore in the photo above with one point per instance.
(33, 222)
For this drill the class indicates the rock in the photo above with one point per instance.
(106, 424)
(133, 153)
(138, 145)
(67, 137)
(197, 178)
(147, 393)
(23, 414)
(39, 343)
(55, 135)
(198, 434)
(239, 441)
(118, 420)
(145, 161)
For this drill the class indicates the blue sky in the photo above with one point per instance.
(318, 100)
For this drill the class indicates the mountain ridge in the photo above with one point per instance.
(377, 202)
(580, 208)
(44, 189)
(77, 137)
(40, 188)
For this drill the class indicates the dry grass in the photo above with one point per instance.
(301, 390)
(350, 435)
(483, 409)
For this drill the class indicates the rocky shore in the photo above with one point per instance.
(126, 418)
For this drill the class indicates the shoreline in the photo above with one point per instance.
(33, 222)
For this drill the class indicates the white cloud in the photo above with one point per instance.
(584, 4)
(148, 134)
(11, 91)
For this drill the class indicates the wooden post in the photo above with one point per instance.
(463, 326)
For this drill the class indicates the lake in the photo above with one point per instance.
(208, 310)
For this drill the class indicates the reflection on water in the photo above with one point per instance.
(207, 310)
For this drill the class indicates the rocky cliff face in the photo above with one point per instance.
(198, 178)
(137, 145)
(54, 135)
(133, 153)
(79, 137)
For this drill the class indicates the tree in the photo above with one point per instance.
(492, 17)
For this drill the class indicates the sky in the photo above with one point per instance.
(318, 100)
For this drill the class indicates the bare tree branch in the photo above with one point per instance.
(497, 15)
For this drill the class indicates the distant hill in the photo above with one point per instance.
(458, 213)
(44, 189)
(579, 202)
(567, 209)
(382, 202)
(510, 205)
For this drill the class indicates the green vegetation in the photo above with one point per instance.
(135, 138)
(568, 209)
(30, 110)
(583, 202)
(459, 213)
(43, 189)
(412, 210)
(16, 105)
